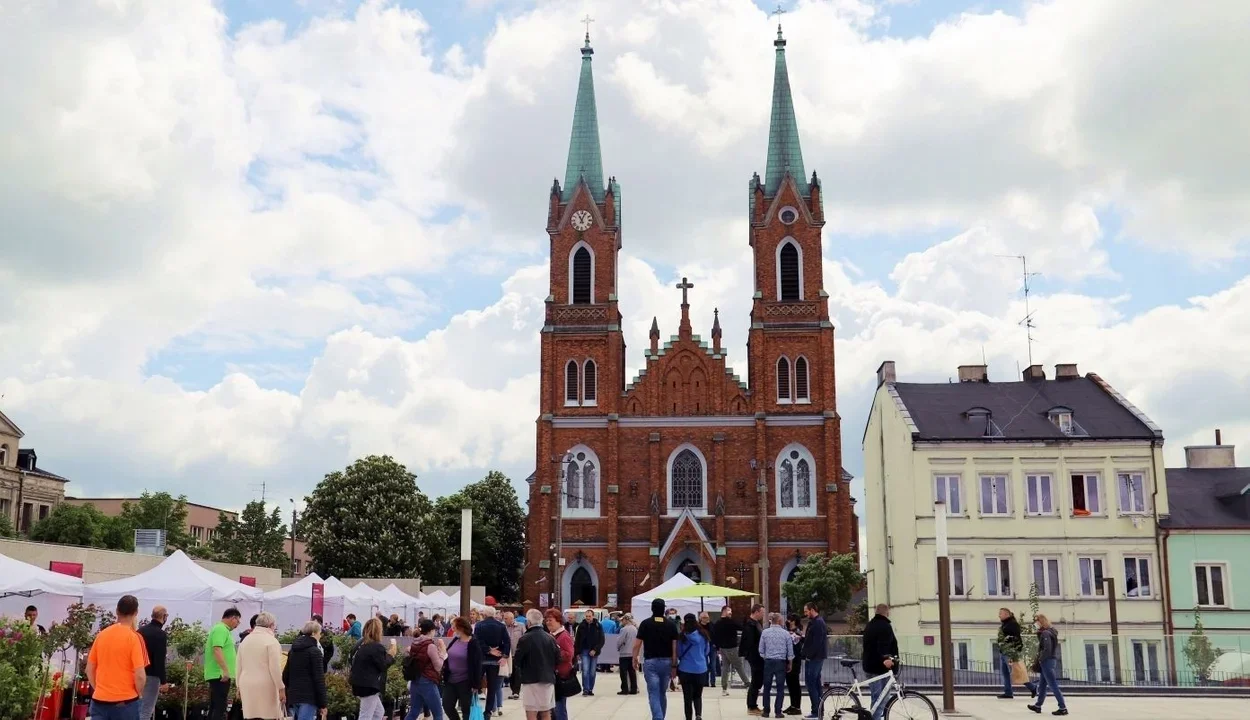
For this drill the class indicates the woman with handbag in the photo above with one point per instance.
(692, 652)
(462, 671)
(566, 677)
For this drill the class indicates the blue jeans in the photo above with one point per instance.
(657, 672)
(876, 690)
(425, 696)
(561, 710)
(304, 711)
(115, 711)
(498, 693)
(1049, 680)
(812, 679)
(774, 671)
(589, 669)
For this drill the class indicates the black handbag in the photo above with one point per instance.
(569, 686)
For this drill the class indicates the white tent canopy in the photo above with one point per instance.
(23, 584)
(641, 605)
(292, 605)
(187, 591)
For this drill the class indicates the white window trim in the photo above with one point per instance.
(1011, 570)
(580, 512)
(572, 253)
(794, 378)
(789, 240)
(1145, 499)
(1100, 590)
(582, 383)
(668, 475)
(1010, 507)
(804, 454)
(1054, 497)
(789, 380)
(564, 390)
(1228, 594)
(964, 559)
(967, 643)
(1058, 568)
(1150, 568)
(959, 482)
(1102, 504)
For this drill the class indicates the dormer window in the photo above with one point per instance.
(1061, 417)
(985, 420)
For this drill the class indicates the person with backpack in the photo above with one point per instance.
(423, 669)
(692, 654)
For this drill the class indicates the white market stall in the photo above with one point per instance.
(438, 603)
(292, 605)
(353, 602)
(641, 605)
(405, 604)
(187, 591)
(23, 584)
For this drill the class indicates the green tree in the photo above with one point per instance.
(371, 520)
(256, 538)
(827, 580)
(1199, 653)
(498, 536)
(80, 525)
(160, 511)
(6, 527)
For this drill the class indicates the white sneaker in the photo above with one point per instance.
(724, 693)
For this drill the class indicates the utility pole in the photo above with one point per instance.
(1115, 629)
(294, 519)
(944, 607)
(466, 559)
(762, 488)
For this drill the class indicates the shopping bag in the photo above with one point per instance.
(475, 708)
(1019, 675)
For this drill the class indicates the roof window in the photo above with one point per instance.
(1063, 418)
(983, 415)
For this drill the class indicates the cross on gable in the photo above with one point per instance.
(683, 286)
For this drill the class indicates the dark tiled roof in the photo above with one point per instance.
(1019, 410)
(1194, 498)
(24, 461)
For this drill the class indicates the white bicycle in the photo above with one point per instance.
(839, 702)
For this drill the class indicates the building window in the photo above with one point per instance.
(783, 380)
(1062, 418)
(6, 507)
(789, 271)
(1145, 661)
(1210, 581)
(1085, 499)
(963, 656)
(581, 483)
(1090, 570)
(1046, 577)
(994, 495)
(946, 490)
(959, 575)
(1098, 661)
(43, 511)
(4, 455)
(1137, 577)
(1039, 498)
(801, 394)
(686, 478)
(1132, 493)
(199, 535)
(590, 376)
(997, 576)
(570, 383)
(796, 472)
(581, 275)
(295, 567)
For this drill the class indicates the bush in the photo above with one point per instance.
(187, 640)
(21, 653)
(340, 702)
(288, 637)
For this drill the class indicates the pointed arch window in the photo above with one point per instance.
(581, 483)
(581, 275)
(687, 481)
(590, 377)
(801, 391)
(570, 383)
(796, 481)
(789, 271)
(783, 380)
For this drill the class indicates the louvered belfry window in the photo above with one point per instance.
(570, 383)
(687, 481)
(800, 380)
(790, 272)
(783, 379)
(581, 276)
(589, 378)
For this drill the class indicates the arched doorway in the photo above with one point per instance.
(582, 588)
(788, 573)
(691, 564)
(690, 569)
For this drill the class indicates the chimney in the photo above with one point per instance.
(1217, 437)
(973, 373)
(1218, 455)
(1034, 372)
(885, 373)
(1066, 371)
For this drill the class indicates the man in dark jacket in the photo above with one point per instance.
(304, 674)
(749, 650)
(588, 645)
(880, 649)
(725, 633)
(535, 662)
(327, 643)
(492, 636)
(815, 650)
(157, 643)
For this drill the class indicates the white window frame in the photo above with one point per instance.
(1224, 583)
(1102, 506)
(577, 383)
(1006, 490)
(961, 652)
(1151, 674)
(789, 380)
(1063, 420)
(804, 454)
(668, 475)
(1043, 589)
(1140, 559)
(1120, 490)
(1102, 667)
(580, 511)
(945, 481)
(1029, 477)
(997, 589)
(789, 240)
(959, 567)
(1099, 590)
(573, 252)
(588, 401)
(794, 378)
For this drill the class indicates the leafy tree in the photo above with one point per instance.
(81, 525)
(1199, 653)
(256, 538)
(498, 536)
(827, 580)
(160, 511)
(6, 527)
(371, 520)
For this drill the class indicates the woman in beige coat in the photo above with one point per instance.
(260, 672)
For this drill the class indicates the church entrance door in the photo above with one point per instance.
(582, 588)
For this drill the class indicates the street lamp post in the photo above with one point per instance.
(557, 547)
(944, 607)
(294, 518)
(1115, 628)
(466, 557)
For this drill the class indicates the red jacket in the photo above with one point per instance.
(564, 663)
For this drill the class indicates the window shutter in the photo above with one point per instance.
(581, 276)
(589, 378)
(800, 379)
(790, 272)
(570, 382)
(783, 378)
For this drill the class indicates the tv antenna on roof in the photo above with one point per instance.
(1027, 322)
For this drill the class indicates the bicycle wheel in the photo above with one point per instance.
(837, 703)
(910, 705)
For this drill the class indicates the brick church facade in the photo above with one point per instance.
(686, 468)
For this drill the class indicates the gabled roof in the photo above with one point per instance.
(687, 519)
(5, 421)
(673, 340)
(26, 456)
(1207, 498)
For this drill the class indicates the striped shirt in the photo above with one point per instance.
(775, 644)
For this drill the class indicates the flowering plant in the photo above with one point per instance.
(21, 661)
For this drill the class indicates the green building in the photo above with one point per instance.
(1206, 557)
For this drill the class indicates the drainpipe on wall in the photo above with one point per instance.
(1161, 548)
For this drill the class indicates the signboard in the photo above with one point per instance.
(928, 639)
(611, 600)
(318, 599)
(247, 580)
(543, 600)
(66, 568)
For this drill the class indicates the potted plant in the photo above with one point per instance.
(21, 652)
(188, 642)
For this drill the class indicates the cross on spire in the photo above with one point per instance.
(778, 13)
(587, 21)
(683, 286)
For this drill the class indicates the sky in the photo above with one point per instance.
(245, 242)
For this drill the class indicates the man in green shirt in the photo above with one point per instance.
(219, 662)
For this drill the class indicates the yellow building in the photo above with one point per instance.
(1057, 483)
(28, 492)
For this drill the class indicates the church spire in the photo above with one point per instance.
(784, 153)
(585, 158)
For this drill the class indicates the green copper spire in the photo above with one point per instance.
(585, 158)
(784, 153)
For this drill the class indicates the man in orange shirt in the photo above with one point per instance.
(115, 666)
